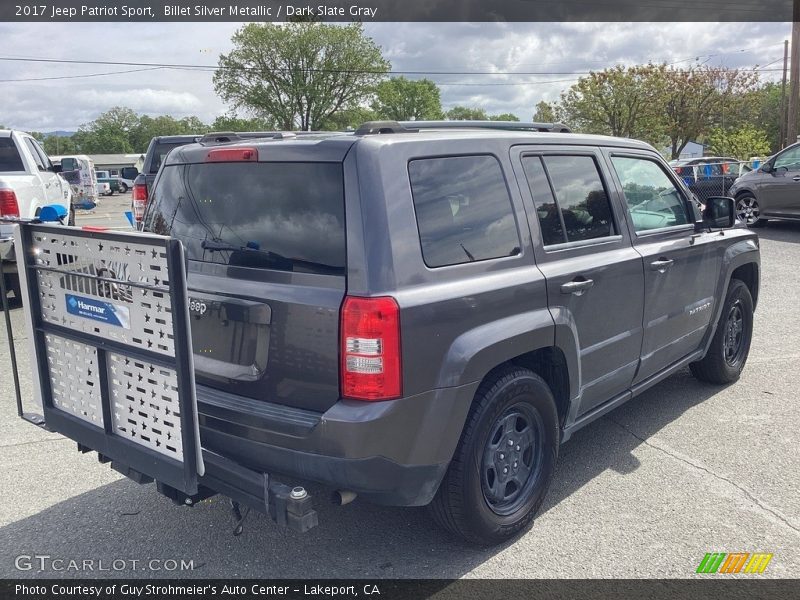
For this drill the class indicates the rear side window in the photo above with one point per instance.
(283, 216)
(159, 153)
(464, 211)
(571, 201)
(10, 160)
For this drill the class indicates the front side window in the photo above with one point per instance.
(789, 160)
(652, 199)
(463, 208)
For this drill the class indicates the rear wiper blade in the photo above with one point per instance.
(226, 247)
(212, 246)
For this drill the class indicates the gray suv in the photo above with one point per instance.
(771, 191)
(421, 313)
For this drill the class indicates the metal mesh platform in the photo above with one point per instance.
(111, 337)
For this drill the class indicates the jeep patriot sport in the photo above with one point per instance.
(421, 313)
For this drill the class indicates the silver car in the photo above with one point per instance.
(770, 192)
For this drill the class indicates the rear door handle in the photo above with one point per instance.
(577, 286)
(661, 265)
(796, 178)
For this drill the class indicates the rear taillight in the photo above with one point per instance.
(139, 201)
(8, 204)
(370, 349)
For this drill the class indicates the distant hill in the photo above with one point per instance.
(58, 133)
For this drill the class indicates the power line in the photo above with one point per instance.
(80, 76)
(314, 70)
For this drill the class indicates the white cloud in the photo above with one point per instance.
(553, 48)
(144, 100)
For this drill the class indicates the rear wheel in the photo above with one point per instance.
(727, 355)
(504, 462)
(747, 210)
(123, 189)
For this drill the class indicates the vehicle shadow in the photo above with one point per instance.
(122, 520)
(780, 231)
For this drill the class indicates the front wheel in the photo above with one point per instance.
(727, 355)
(747, 210)
(504, 462)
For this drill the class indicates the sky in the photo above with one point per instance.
(498, 48)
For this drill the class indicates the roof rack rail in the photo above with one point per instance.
(376, 127)
(503, 125)
(227, 137)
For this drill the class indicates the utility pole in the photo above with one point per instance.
(794, 80)
(782, 139)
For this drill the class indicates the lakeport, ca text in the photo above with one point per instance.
(166, 590)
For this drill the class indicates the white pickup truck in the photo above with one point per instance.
(28, 182)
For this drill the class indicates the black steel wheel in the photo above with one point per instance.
(505, 459)
(730, 346)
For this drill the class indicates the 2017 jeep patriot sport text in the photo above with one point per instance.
(421, 313)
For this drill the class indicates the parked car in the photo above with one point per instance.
(28, 183)
(159, 147)
(421, 313)
(114, 183)
(711, 175)
(772, 191)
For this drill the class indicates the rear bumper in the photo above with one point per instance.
(393, 452)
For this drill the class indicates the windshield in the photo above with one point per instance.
(284, 216)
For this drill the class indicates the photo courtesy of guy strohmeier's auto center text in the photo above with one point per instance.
(367, 299)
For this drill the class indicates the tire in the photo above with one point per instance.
(123, 189)
(727, 355)
(468, 502)
(748, 210)
(71, 219)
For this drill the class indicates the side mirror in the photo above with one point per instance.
(57, 169)
(52, 213)
(767, 168)
(719, 213)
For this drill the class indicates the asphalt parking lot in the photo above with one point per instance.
(685, 469)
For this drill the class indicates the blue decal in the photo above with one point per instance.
(98, 310)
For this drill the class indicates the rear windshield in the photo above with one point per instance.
(285, 216)
(10, 159)
(159, 152)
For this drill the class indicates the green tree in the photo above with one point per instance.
(231, 122)
(546, 112)
(504, 117)
(617, 101)
(109, 133)
(465, 113)
(55, 145)
(299, 75)
(349, 119)
(742, 143)
(149, 127)
(692, 101)
(401, 99)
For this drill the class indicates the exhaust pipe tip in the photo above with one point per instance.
(342, 497)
